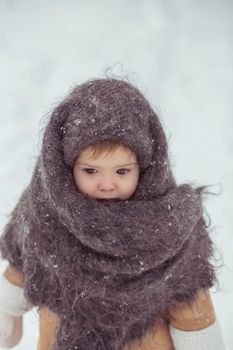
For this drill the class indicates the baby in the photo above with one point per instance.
(107, 171)
(113, 253)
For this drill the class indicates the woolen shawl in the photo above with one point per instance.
(109, 270)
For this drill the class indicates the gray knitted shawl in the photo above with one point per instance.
(109, 270)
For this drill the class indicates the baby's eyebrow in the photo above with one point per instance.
(118, 166)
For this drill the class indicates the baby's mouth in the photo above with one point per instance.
(104, 200)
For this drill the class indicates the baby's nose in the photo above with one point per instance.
(106, 185)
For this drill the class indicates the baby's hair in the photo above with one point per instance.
(105, 147)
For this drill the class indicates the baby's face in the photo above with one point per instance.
(112, 175)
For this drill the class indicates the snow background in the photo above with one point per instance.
(179, 53)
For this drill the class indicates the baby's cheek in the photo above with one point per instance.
(135, 181)
(82, 185)
(86, 187)
(129, 188)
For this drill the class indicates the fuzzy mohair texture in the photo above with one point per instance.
(109, 270)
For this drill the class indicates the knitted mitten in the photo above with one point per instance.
(12, 306)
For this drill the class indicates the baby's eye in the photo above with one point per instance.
(122, 171)
(89, 171)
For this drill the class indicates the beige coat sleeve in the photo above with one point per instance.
(198, 314)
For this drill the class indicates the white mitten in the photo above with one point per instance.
(12, 306)
(209, 338)
(11, 330)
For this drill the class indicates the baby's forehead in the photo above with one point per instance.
(115, 157)
(118, 152)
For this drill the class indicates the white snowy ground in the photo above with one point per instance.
(179, 53)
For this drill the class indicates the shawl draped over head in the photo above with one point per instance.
(109, 270)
